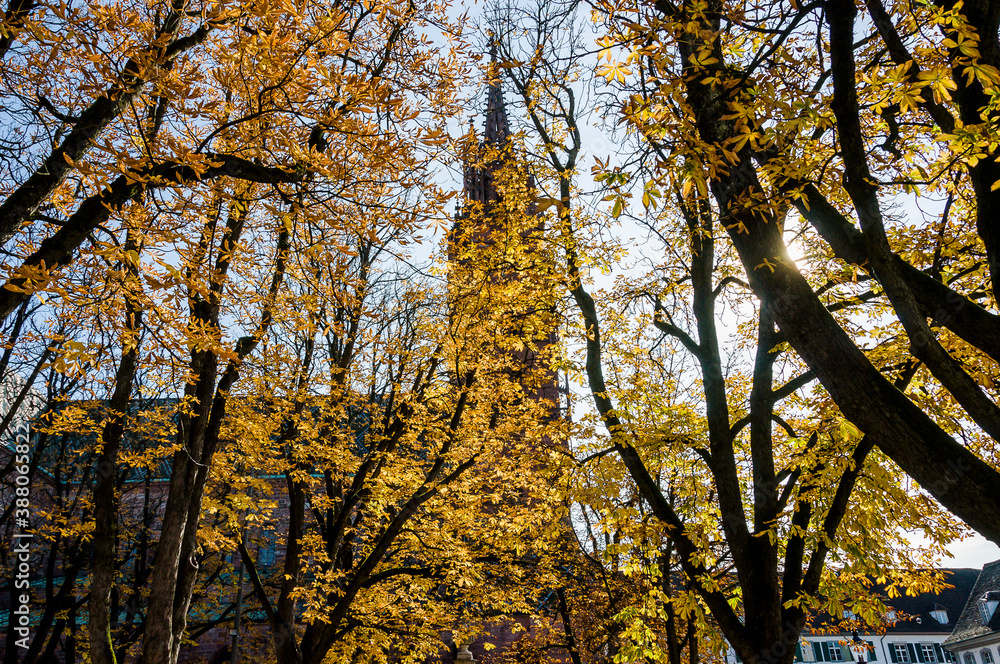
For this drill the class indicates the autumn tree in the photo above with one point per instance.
(786, 483)
(51, 383)
(181, 93)
(769, 109)
(393, 411)
(53, 477)
(221, 190)
(163, 161)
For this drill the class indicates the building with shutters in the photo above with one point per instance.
(976, 636)
(921, 629)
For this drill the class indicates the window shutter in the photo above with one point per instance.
(919, 649)
(940, 652)
(913, 653)
(826, 651)
(892, 653)
(872, 653)
(798, 652)
(817, 651)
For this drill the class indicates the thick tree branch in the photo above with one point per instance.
(860, 185)
(936, 300)
(88, 125)
(57, 250)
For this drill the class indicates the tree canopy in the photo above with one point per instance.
(809, 122)
(207, 211)
(795, 390)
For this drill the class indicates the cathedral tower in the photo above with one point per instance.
(497, 217)
(498, 253)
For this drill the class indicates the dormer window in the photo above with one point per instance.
(988, 605)
(940, 614)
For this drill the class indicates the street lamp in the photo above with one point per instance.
(859, 648)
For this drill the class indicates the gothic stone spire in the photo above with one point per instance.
(478, 183)
(478, 223)
(497, 126)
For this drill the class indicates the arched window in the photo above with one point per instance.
(986, 655)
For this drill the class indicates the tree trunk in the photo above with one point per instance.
(102, 650)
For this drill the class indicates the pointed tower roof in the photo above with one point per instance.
(478, 182)
(497, 126)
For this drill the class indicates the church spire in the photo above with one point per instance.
(478, 182)
(497, 126)
(492, 229)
